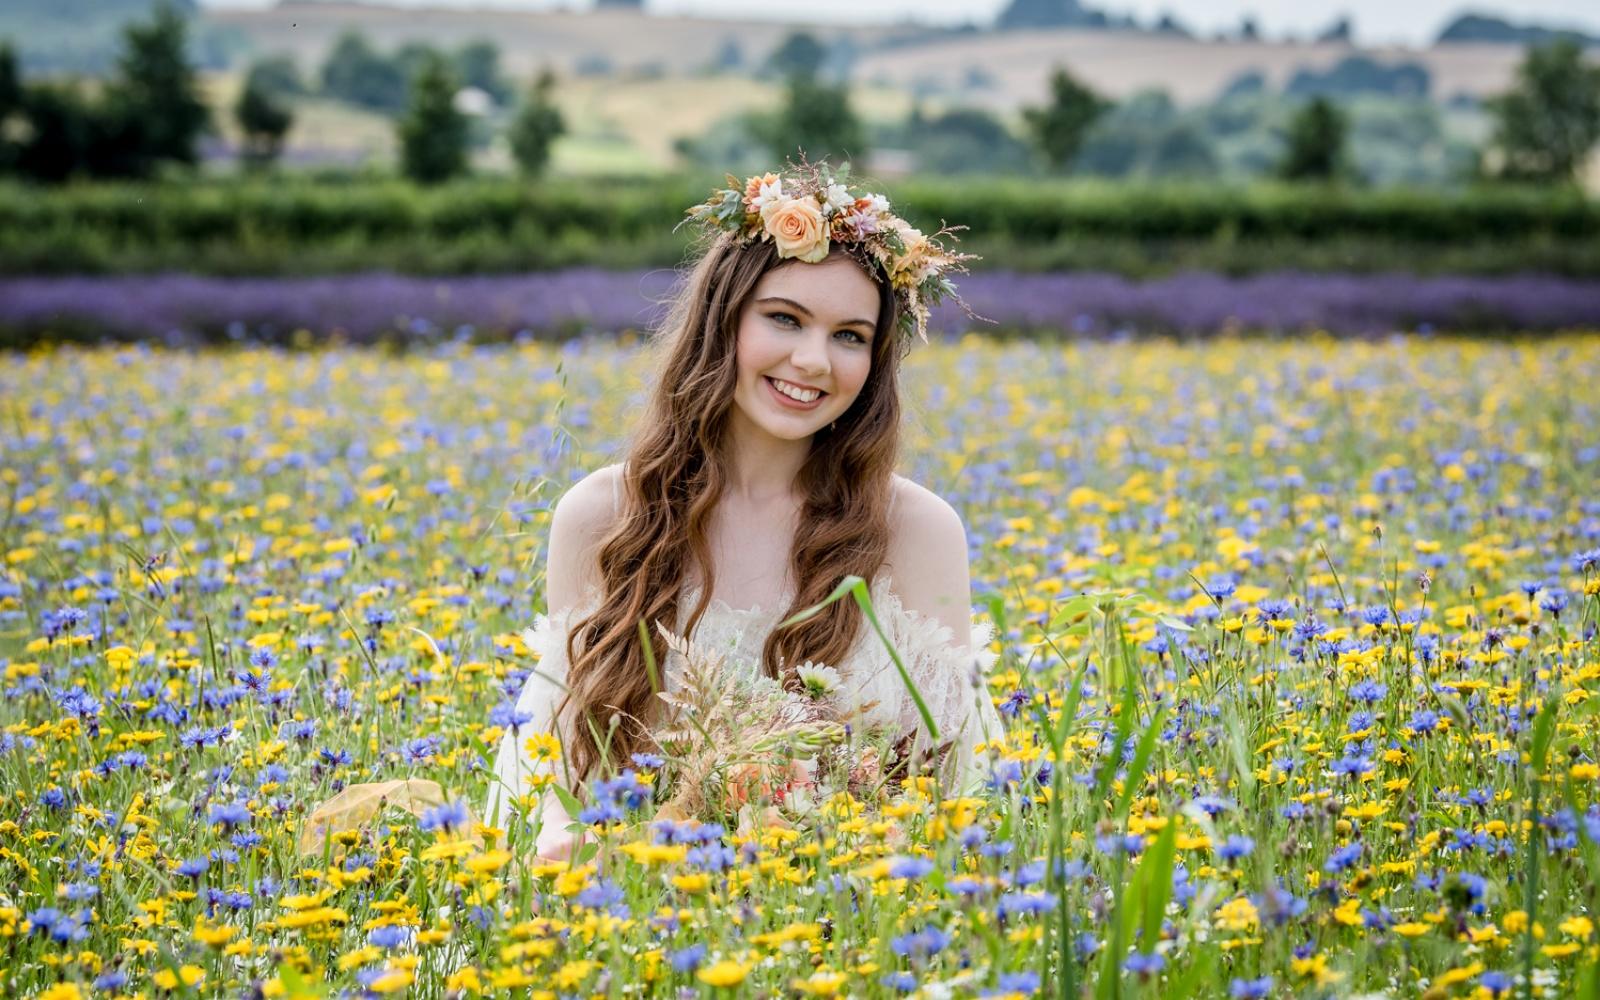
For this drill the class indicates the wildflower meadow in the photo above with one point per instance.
(1298, 661)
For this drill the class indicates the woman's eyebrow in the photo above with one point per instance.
(797, 307)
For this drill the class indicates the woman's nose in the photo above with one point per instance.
(811, 356)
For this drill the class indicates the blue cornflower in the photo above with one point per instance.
(966, 885)
(43, 919)
(903, 982)
(1005, 772)
(1342, 858)
(1250, 989)
(1145, 964)
(78, 892)
(920, 944)
(388, 937)
(1025, 904)
(1496, 983)
(507, 715)
(1376, 614)
(1212, 805)
(1309, 628)
(419, 750)
(1424, 721)
(1085, 945)
(229, 815)
(648, 761)
(1236, 847)
(1013, 982)
(450, 816)
(604, 894)
(1355, 766)
(601, 811)
(194, 867)
(688, 959)
(1368, 691)
(112, 980)
(1015, 702)
(1273, 607)
(909, 867)
(624, 788)
(1029, 874)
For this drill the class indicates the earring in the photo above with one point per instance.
(832, 426)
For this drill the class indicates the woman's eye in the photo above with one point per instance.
(786, 316)
(859, 338)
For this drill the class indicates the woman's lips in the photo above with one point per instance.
(790, 401)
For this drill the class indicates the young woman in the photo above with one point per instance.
(760, 476)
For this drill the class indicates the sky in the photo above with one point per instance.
(1377, 22)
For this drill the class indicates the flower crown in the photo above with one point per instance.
(807, 209)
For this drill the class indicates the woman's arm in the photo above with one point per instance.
(947, 655)
(578, 524)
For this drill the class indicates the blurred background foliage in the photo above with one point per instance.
(1360, 155)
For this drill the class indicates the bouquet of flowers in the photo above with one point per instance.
(739, 745)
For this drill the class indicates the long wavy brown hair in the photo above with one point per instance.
(674, 473)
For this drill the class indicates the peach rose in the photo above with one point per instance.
(797, 226)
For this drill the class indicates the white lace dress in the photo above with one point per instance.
(952, 680)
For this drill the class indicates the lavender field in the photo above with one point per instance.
(181, 309)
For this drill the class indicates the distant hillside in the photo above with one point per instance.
(999, 70)
(1058, 14)
(1483, 28)
(72, 36)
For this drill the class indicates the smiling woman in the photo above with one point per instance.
(760, 477)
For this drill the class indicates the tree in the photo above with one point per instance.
(10, 105)
(1316, 143)
(799, 54)
(60, 132)
(478, 62)
(1547, 123)
(264, 116)
(279, 75)
(537, 126)
(1058, 128)
(433, 133)
(816, 118)
(354, 72)
(156, 90)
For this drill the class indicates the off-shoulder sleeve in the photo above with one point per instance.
(514, 766)
(953, 679)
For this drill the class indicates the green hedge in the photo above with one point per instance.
(301, 226)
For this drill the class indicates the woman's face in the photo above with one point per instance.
(810, 326)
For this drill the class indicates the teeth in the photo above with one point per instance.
(795, 392)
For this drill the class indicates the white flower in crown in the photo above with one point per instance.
(768, 196)
(877, 204)
(836, 199)
(819, 679)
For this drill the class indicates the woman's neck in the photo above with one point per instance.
(762, 469)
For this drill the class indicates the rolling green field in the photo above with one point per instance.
(1297, 644)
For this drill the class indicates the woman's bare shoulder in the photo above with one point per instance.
(580, 521)
(922, 519)
(927, 555)
(588, 507)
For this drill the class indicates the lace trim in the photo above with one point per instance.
(951, 680)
